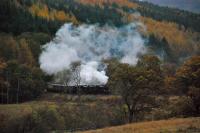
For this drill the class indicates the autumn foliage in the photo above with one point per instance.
(52, 14)
(181, 41)
(102, 2)
(188, 81)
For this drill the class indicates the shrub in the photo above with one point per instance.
(41, 120)
(183, 107)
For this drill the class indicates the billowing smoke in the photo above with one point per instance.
(90, 44)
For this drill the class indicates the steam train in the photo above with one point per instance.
(82, 89)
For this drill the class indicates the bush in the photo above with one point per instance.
(91, 116)
(47, 119)
(18, 124)
(41, 120)
(183, 107)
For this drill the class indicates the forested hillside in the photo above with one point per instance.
(26, 25)
(18, 16)
(146, 56)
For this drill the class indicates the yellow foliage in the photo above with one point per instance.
(120, 3)
(179, 40)
(40, 11)
(52, 14)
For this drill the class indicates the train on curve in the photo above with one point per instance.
(82, 89)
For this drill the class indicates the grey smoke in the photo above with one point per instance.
(90, 44)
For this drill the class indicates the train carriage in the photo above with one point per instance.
(83, 89)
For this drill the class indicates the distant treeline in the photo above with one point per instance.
(187, 19)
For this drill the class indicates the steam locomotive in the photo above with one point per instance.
(82, 89)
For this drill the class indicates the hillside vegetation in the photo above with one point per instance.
(187, 125)
(168, 74)
(121, 3)
(70, 113)
(180, 42)
(46, 16)
(60, 112)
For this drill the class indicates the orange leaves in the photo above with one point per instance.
(60, 15)
(120, 3)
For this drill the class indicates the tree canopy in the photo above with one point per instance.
(138, 84)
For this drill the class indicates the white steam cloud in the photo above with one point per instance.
(89, 44)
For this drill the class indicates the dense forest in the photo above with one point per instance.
(172, 66)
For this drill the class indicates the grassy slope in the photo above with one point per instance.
(64, 104)
(53, 99)
(187, 125)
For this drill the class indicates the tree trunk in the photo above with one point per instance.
(1, 94)
(131, 115)
(197, 110)
(8, 95)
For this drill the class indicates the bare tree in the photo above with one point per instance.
(76, 78)
(63, 77)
